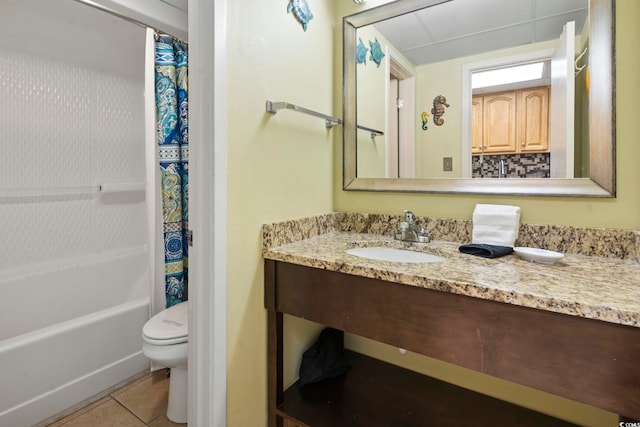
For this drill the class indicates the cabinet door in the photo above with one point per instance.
(533, 119)
(499, 133)
(476, 125)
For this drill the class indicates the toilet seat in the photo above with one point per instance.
(168, 327)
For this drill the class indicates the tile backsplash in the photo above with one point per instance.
(526, 165)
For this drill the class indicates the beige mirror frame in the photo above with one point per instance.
(601, 181)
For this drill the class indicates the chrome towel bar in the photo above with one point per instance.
(330, 121)
(273, 107)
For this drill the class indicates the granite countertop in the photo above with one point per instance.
(593, 287)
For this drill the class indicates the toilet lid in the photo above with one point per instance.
(169, 324)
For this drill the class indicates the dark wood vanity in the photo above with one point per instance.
(591, 361)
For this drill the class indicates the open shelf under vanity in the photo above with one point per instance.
(375, 393)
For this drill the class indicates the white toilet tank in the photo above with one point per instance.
(168, 327)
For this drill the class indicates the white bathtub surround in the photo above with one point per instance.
(75, 259)
(54, 368)
(69, 289)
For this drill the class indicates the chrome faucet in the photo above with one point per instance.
(408, 231)
(502, 171)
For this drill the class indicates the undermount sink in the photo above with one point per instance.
(392, 254)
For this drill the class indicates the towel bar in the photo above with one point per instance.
(330, 121)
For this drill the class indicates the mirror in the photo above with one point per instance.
(371, 161)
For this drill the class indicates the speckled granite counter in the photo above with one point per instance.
(604, 287)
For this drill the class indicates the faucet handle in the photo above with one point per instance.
(423, 236)
(409, 216)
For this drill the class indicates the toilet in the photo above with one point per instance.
(165, 343)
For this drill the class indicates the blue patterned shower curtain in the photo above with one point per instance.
(172, 135)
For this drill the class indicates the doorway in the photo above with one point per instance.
(401, 111)
(561, 129)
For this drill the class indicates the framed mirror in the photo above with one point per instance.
(432, 51)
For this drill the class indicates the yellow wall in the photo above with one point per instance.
(620, 212)
(442, 78)
(278, 167)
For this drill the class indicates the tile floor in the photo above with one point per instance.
(141, 403)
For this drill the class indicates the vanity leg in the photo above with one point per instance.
(275, 383)
(275, 393)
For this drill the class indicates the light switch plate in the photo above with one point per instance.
(447, 164)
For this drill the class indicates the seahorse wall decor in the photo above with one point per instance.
(425, 120)
(439, 102)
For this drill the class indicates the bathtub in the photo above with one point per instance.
(79, 337)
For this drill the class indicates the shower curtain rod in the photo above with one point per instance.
(128, 18)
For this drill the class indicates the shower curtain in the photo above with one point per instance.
(172, 135)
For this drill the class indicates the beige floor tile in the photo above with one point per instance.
(104, 413)
(79, 412)
(163, 421)
(157, 376)
(147, 397)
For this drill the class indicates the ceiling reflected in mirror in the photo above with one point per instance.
(460, 28)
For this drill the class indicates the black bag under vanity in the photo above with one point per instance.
(324, 359)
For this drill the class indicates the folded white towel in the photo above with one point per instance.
(496, 224)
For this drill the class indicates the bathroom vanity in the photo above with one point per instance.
(571, 329)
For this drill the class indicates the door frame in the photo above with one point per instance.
(207, 357)
(403, 141)
(467, 94)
